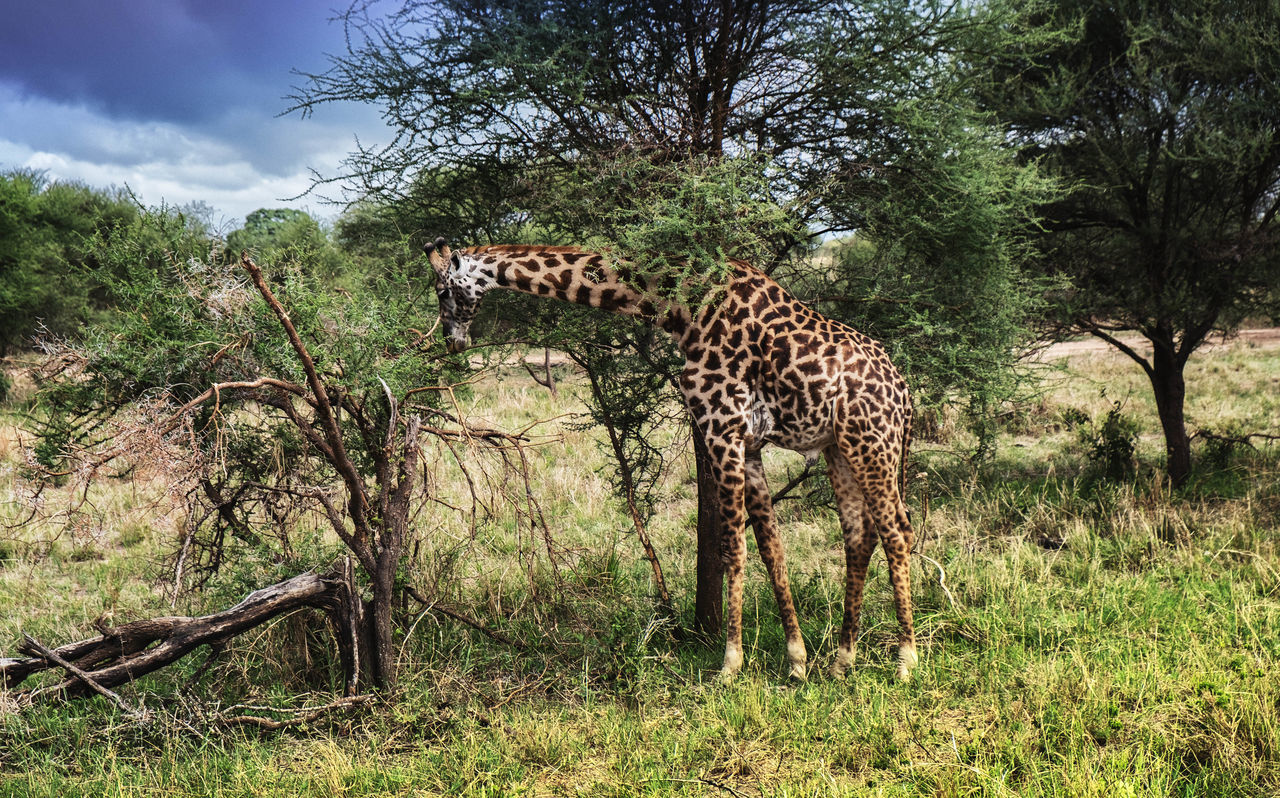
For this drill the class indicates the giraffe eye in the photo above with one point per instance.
(446, 300)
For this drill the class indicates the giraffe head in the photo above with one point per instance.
(460, 283)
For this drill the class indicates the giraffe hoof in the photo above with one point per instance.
(841, 664)
(907, 660)
(799, 661)
(732, 664)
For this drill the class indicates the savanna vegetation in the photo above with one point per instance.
(192, 414)
(1094, 637)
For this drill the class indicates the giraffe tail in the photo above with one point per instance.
(906, 451)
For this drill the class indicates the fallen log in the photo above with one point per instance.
(124, 653)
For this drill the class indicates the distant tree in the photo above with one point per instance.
(46, 270)
(1163, 121)
(582, 123)
(269, 232)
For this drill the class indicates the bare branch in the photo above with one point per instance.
(124, 653)
(84, 677)
(328, 422)
(299, 717)
(434, 606)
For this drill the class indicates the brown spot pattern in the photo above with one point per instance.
(763, 368)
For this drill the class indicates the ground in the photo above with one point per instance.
(1078, 637)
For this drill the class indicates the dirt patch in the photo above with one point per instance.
(1262, 338)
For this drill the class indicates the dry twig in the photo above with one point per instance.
(457, 616)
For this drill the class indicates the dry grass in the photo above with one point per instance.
(1104, 639)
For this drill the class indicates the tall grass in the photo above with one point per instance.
(1094, 638)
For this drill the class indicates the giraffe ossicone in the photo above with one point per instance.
(760, 368)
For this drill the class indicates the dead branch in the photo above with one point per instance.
(31, 642)
(359, 503)
(1245, 439)
(785, 491)
(124, 653)
(299, 716)
(546, 379)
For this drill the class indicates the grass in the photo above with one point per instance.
(1104, 640)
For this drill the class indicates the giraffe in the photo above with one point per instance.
(760, 368)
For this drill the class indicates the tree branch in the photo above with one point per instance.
(124, 653)
(1097, 332)
(328, 421)
(88, 680)
(457, 616)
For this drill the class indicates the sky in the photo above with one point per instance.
(179, 100)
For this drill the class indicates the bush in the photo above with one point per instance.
(1111, 446)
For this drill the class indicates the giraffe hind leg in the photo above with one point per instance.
(859, 544)
(900, 576)
(887, 515)
(895, 535)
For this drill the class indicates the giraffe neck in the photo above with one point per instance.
(581, 277)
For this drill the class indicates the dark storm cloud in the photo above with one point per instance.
(179, 99)
(185, 62)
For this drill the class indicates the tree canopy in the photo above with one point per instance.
(1162, 120)
(522, 120)
(46, 268)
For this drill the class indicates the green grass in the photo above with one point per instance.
(1105, 640)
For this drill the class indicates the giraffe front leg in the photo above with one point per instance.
(727, 466)
(719, 418)
(734, 552)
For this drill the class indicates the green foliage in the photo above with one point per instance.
(277, 234)
(678, 225)
(1162, 120)
(1111, 445)
(47, 272)
(187, 318)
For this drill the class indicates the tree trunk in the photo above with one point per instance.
(708, 612)
(1171, 393)
(383, 667)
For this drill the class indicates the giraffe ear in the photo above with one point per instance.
(438, 253)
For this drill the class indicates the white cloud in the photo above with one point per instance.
(248, 161)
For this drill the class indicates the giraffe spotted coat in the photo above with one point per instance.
(761, 368)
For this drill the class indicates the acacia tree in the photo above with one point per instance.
(561, 121)
(1163, 122)
(275, 405)
(46, 272)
